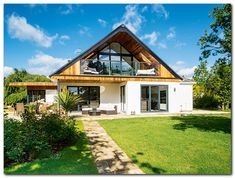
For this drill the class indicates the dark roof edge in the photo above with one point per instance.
(118, 29)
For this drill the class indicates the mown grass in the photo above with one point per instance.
(175, 145)
(76, 159)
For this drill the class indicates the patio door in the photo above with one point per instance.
(153, 98)
(123, 98)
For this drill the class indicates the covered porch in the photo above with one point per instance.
(106, 97)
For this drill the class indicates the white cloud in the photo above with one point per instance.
(19, 28)
(183, 70)
(179, 62)
(162, 45)
(45, 64)
(152, 38)
(131, 18)
(63, 38)
(160, 10)
(78, 51)
(187, 72)
(171, 33)
(7, 71)
(84, 31)
(102, 22)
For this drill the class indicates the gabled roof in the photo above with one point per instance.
(121, 28)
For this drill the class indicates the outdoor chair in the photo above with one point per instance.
(146, 72)
(109, 110)
(19, 108)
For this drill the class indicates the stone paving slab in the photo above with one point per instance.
(109, 157)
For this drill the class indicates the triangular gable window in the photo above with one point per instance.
(113, 59)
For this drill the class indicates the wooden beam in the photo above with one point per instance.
(90, 78)
(32, 84)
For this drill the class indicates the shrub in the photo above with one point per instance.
(59, 131)
(36, 137)
(206, 102)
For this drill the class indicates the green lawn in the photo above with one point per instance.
(175, 145)
(76, 159)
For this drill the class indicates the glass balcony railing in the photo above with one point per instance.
(117, 68)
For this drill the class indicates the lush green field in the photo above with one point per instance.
(175, 145)
(76, 159)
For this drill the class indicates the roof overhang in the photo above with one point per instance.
(188, 83)
(112, 79)
(34, 85)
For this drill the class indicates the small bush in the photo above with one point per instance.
(36, 137)
(31, 108)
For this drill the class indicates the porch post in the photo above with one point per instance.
(58, 92)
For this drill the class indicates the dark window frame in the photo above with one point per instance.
(110, 54)
(89, 91)
(31, 94)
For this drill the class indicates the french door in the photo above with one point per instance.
(153, 98)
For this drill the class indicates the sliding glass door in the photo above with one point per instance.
(153, 98)
(123, 98)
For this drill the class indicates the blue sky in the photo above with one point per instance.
(41, 38)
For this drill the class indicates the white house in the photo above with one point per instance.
(121, 71)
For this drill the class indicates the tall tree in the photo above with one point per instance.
(219, 40)
(218, 43)
(201, 73)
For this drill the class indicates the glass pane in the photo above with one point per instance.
(115, 65)
(115, 48)
(126, 65)
(84, 93)
(124, 51)
(73, 90)
(163, 98)
(94, 58)
(105, 67)
(144, 98)
(104, 58)
(115, 58)
(154, 98)
(94, 93)
(106, 49)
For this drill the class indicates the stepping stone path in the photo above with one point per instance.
(109, 157)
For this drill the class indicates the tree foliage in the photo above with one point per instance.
(215, 85)
(18, 94)
(219, 40)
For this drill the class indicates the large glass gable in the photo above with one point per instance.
(114, 59)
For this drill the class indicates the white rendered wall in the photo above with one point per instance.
(180, 96)
(186, 95)
(50, 95)
(109, 93)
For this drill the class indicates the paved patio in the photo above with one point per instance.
(109, 157)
